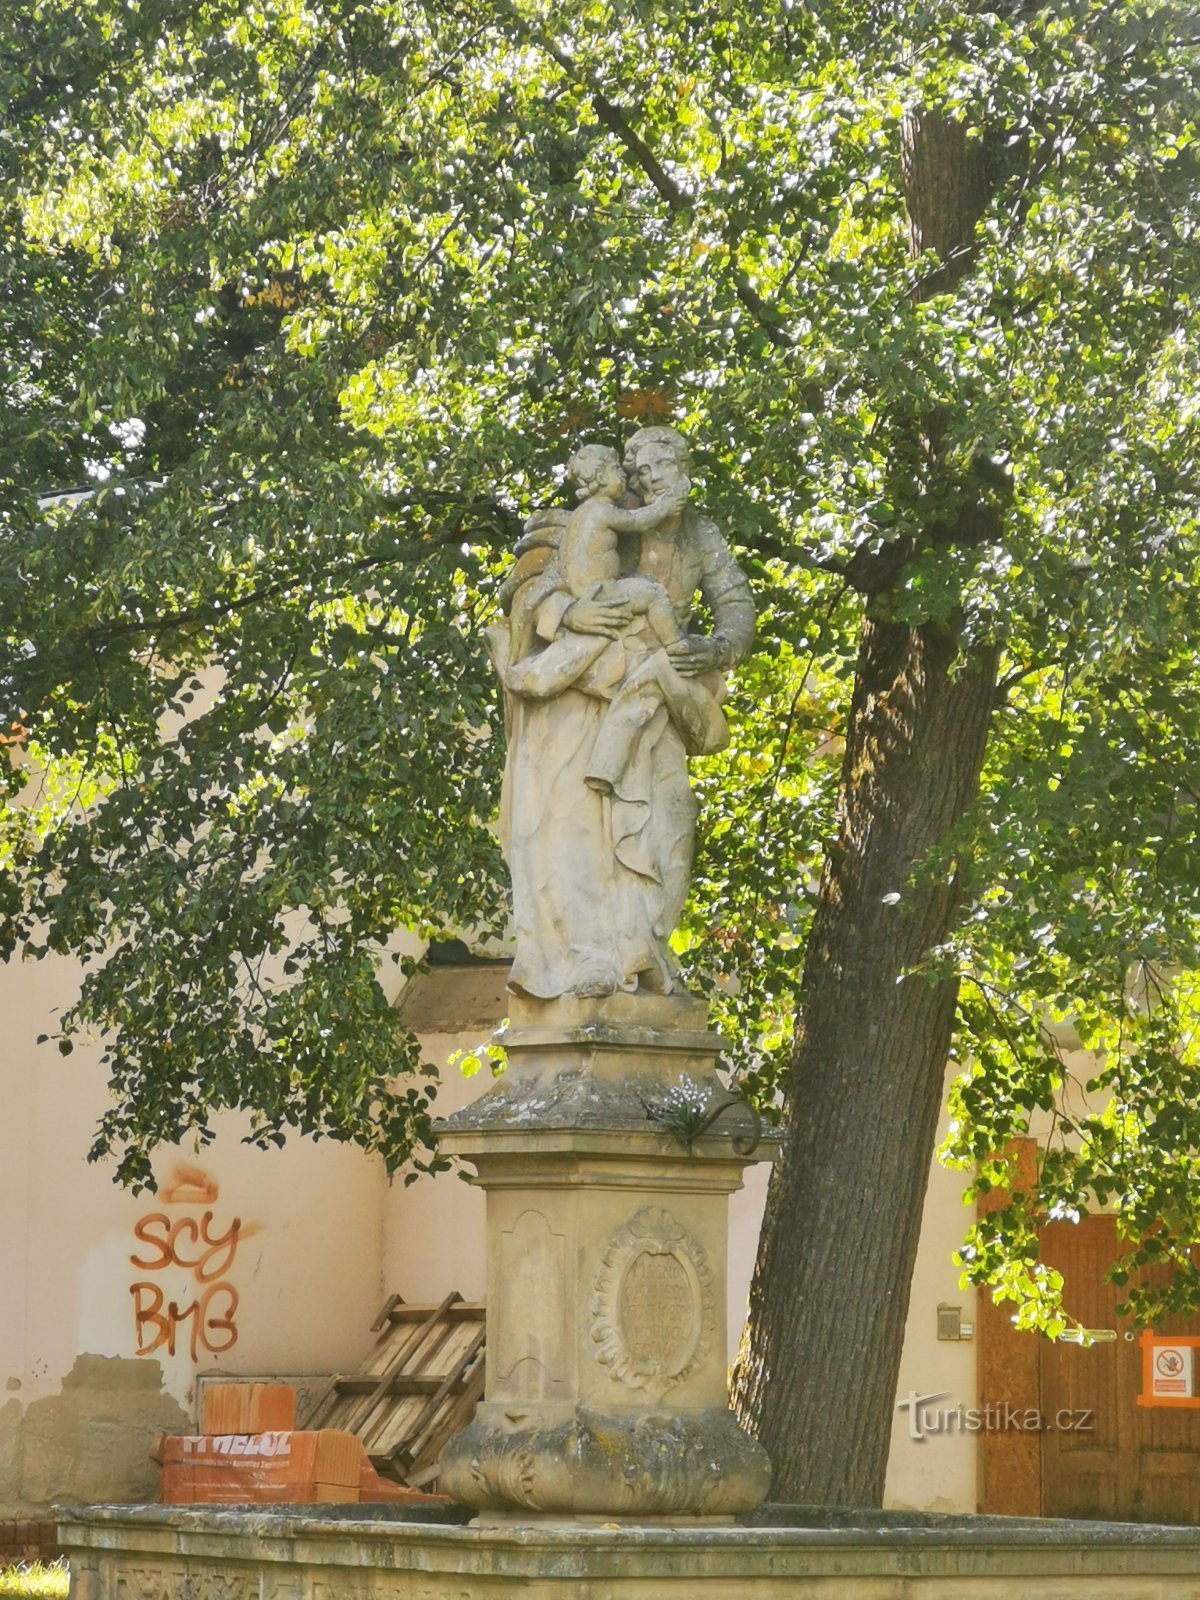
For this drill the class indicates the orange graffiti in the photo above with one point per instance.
(210, 1332)
(189, 1185)
(224, 1248)
(189, 1243)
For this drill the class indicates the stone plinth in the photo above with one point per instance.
(607, 1226)
(322, 1553)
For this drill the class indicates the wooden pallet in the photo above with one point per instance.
(416, 1389)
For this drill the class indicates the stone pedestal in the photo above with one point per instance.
(607, 1225)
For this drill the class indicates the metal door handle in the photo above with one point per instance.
(1090, 1336)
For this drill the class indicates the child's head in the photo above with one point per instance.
(596, 468)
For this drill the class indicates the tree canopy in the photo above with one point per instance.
(314, 297)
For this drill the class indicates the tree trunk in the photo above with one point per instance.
(817, 1381)
(830, 1294)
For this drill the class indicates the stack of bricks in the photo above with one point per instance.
(249, 1452)
(22, 1540)
(247, 1408)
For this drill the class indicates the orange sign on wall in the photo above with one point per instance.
(1169, 1370)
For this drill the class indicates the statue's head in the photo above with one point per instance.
(656, 459)
(594, 468)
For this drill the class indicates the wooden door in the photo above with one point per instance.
(1103, 1455)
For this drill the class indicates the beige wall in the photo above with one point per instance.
(78, 1403)
(433, 1239)
(937, 1474)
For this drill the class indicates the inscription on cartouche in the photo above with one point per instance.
(657, 1308)
(652, 1304)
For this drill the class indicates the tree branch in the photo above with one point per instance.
(217, 610)
(612, 117)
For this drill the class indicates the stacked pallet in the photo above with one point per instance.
(416, 1389)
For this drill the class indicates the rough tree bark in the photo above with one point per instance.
(817, 1379)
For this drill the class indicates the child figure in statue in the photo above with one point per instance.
(587, 552)
(586, 566)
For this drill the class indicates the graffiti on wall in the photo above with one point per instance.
(203, 1319)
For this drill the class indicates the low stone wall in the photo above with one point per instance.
(324, 1553)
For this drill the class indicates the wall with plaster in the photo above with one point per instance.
(433, 1239)
(928, 1470)
(245, 1261)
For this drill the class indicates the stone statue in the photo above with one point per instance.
(607, 693)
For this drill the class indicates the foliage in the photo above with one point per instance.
(318, 295)
(469, 1062)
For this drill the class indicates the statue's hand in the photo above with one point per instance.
(674, 499)
(605, 617)
(695, 653)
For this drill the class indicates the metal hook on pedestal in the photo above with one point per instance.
(742, 1145)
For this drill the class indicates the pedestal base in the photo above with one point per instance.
(618, 1467)
(607, 1222)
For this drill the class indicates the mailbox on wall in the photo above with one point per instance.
(1170, 1370)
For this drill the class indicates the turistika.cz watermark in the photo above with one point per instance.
(927, 1417)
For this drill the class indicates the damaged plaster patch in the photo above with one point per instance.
(10, 1452)
(92, 1441)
